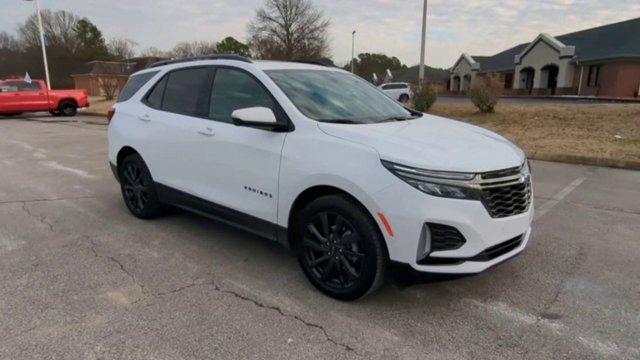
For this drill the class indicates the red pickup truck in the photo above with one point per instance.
(18, 96)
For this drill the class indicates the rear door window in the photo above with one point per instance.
(134, 84)
(187, 91)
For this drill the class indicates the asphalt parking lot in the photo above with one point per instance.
(81, 278)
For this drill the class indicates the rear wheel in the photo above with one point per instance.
(138, 188)
(68, 108)
(404, 98)
(339, 248)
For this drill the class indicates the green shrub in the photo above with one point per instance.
(424, 98)
(483, 95)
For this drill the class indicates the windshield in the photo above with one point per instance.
(332, 96)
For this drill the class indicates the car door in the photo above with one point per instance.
(174, 114)
(27, 97)
(240, 165)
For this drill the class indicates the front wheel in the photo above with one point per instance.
(340, 248)
(138, 189)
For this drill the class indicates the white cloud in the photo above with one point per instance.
(480, 27)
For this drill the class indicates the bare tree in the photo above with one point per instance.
(289, 29)
(194, 48)
(121, 48)
(8, 42)
(109, 87)
(153, 51)
(58, 28)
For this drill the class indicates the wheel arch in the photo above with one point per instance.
(315, 192)
(67, 99)
(123, 153)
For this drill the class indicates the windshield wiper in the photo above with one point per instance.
(400, 118)
(340, 121)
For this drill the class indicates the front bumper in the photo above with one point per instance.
(408, 209)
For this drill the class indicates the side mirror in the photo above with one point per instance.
(259, 117)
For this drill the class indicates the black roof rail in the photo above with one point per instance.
(321, 62)
(203, 57)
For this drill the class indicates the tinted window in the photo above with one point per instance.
(21, 86)
(232, 90)
(395, 86)
(134, 84)
(154, 99)
(187, 91)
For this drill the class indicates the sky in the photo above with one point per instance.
(477, 27)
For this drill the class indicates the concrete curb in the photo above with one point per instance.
(586, 160)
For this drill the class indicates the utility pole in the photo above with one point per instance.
(422, 45)
(353, 46)
(44, 50)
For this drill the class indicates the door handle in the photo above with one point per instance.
(144, 118)
(206, 132)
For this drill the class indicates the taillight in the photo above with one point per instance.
(110, 114)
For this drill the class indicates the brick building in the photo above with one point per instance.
(602, 61)
(91, 74)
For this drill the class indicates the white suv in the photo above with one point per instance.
(321, 160)
(397, 91)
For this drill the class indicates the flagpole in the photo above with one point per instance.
(44, 50)
(422, 43)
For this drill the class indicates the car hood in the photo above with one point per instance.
(433, 143)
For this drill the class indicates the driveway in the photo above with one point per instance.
(81, 278)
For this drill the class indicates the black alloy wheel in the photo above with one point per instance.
(333, 250)
(340, 247)
(138, 188)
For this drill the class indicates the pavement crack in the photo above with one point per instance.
(291, 316)
(122, 268)
(45, 199)
(41, 218)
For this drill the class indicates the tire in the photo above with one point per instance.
(138, 188)
(340, 248)
(68, 108)
(404, 98)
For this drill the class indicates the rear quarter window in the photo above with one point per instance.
(134, 84)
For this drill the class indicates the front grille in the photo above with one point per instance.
(509, 200)
(444, 237)
(505, 192)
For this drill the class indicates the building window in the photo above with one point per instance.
(594, 72)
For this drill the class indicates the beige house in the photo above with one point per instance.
(602, 61)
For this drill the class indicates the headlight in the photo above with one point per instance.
(447, 184)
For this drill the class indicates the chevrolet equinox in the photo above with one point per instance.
(322, 161)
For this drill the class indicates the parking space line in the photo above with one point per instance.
(559, 196)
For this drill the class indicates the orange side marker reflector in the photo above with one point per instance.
(386, 224)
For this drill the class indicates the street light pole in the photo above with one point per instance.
(422, 45)
(353, 45)
(44, 50)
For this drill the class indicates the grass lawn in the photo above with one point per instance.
(99, 106)
(576, 133)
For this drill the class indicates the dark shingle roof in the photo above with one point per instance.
(410, 75)
(618, 40)
(104, 67)
(502, 61)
